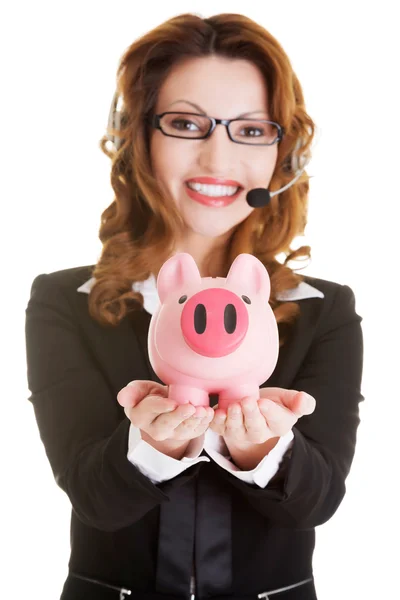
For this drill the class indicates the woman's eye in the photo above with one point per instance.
(183, 125)
(253, 129)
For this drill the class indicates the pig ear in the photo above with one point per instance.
(249, 274)
(175, 272)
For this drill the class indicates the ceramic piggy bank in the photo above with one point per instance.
(213, 334)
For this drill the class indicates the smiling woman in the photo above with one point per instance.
(175, 501)
(205, 101)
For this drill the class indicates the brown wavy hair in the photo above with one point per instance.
(140, 227)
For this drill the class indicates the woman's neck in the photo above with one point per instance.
(209, 254)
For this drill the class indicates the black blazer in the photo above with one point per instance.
(127, 532)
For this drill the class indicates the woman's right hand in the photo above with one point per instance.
(163, 423)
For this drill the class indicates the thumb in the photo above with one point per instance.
(304, 404)
(136, 390)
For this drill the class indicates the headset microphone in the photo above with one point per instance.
(259, 197)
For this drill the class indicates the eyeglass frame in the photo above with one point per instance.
(155, 122)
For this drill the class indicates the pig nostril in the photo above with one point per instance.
(246, 299)
(200, 318)
(230, 318)
(182, 299)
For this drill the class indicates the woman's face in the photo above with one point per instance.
(225, 89)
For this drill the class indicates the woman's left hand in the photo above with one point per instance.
(254, 421)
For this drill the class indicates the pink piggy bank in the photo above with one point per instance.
(213, 334)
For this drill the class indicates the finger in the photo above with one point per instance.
(171, 420)
(234, 421)
(197, 423)
(198, 414)
(127, 397)
(254, 420)
(303, 404)
(281, 396)
(279, 419)
(146, 387)
(218, 422)
(165, 426)
(138, 389)
(144, 413)
(289, 399)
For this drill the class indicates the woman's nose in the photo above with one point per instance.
(216, 152)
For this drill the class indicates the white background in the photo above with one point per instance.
(58, 66)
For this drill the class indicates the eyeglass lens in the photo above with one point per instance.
(249, 131)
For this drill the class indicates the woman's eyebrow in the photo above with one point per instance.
(197, 107)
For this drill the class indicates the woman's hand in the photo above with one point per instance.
(162, 423)
(254, 421)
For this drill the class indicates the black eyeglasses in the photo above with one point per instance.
(186, 125)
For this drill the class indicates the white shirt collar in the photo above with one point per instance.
(151, 300)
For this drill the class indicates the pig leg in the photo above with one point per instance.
(184, 394)
(236, 394)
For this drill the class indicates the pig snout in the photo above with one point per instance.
(214, 322)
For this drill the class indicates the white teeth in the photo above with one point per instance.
(213, 190)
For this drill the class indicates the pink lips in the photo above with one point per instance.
(216, 201)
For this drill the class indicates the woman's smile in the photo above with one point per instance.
(213, 195)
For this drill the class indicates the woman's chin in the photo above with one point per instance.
(210, 228)
(211, 221)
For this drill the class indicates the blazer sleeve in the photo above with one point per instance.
(310, 484)
(83, 428)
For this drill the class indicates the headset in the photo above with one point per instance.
(256, 197)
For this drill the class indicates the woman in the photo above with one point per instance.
(176, 501)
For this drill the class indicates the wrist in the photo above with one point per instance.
(174, 448)
(248, 455)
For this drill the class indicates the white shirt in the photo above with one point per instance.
(159, 467)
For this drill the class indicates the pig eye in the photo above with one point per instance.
(246, 299)
(182, 299)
